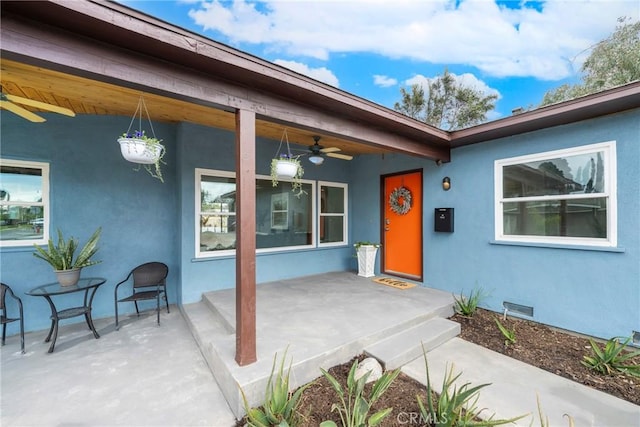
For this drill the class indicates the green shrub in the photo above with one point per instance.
(456, 406)
(467, 305)
(508, 334)
(280, 407)
(612, 359)
(354, 407)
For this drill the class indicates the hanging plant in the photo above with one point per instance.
(287, 166)
(400, 200)
(137, 147)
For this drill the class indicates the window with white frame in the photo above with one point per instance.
(332, 217)
(564, 197)
(284, 220)
(24, 203)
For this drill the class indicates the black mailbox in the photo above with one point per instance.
(443, 220)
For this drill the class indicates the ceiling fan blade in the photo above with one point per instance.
(330, 150)
(21, 112)
(340, 156)
(41, 105)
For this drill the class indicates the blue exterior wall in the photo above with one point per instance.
(142, 219)
(202, 147)
(92, 186)
(596, 292)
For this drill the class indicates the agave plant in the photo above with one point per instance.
(354, 405)
(612, 358)
(456, 405)
(61, 255)
(466, 305)
(280, 407)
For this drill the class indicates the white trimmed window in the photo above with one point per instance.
(24, 203)
(332, 220)
(558, 197)
(283, 220)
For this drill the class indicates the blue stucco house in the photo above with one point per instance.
(545, 204)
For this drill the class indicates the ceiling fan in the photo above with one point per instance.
(318, 152)
(9, 102)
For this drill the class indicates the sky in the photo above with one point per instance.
(517, 50)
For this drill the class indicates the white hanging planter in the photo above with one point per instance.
(367, 260)
(286, 169)
(137, 150)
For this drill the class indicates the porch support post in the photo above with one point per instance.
(245, 237)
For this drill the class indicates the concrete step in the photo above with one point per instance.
(217, 301)
(203, 322)
(407, 345)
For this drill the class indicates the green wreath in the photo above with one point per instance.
(400, 200)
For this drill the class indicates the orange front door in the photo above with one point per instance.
(402, 225)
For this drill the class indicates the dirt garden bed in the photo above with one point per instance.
(538, 345)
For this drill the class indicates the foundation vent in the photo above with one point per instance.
(636, 338)
(512, 307)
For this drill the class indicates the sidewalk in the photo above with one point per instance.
(514, 386)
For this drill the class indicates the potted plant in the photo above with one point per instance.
(366, 253)
(61, 257)
(286, 166)
(139, 148)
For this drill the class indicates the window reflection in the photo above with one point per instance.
(23, 198)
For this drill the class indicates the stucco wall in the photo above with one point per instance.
(92, 186)
(206, 148)
(142, 219)
(594, 292)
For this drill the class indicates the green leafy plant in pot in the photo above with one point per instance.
(61, 257)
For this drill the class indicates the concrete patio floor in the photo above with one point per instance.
(141, 375)
(145, 375)
(319, 321)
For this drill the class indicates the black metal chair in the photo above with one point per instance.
(4, 319)
(149, 282)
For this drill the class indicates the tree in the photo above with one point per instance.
(614, 61)
(448, 105)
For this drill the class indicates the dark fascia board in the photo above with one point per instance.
(622, 98)
(114, 24)
(117, 25)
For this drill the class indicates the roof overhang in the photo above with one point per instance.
(116, 50)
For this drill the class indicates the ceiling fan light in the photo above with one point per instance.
(316, 160)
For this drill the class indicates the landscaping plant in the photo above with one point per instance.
(354, 407)
(60, 256)
(280, 407)
(467, 305)
(455, 406)
(612, 359)
(544, 420)
(509, 334)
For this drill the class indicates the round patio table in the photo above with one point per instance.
(87, 285)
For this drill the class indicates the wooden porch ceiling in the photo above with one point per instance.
(91, 97)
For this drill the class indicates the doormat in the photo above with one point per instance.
(394, 283)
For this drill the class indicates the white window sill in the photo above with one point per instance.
(559, 246)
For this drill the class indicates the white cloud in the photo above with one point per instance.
(384, 81)
(322, 74)
(499, 41)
